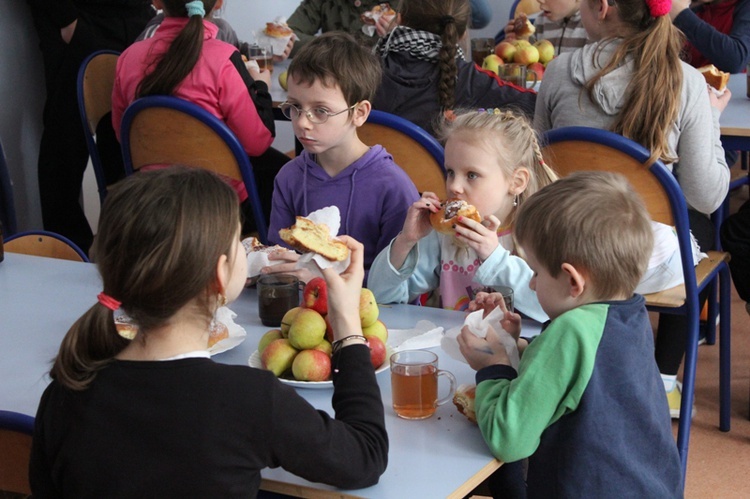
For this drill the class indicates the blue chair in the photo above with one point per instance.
(16, 431)
(45, 243)
(417, 152)
(96, 78)
(580, 148)
(165, 130)
(7, 205)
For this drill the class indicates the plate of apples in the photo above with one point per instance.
(299, 352)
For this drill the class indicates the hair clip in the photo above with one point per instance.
(659, 8)
(449, 115)
(492, 110)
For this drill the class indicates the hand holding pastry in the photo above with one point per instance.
(416, 226)
(287, 50)
(719, 101)
(481, 237)
(288, 266)
(510, 31)
(344, 292)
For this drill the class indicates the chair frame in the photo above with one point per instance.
(678, 217)
(244, 168)
(415, 133)
(52, 235)
(85, 101)
(6, 196)
(16, 430)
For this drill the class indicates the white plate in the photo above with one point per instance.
(255, 362)
(236, 336)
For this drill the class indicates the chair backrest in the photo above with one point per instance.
(15, 449)
(527, 7)
(96, 78)
(43, 243)
(164, 130)
(7, 204)
(417, 152)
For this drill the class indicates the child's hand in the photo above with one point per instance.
(481, 237)
(344, 292)
(510, 31)
(719, 101)
(287, 50)
(482, 352)
(417, 224)
(511, 322)
(289, 267)
(386, 23)
(262, 75)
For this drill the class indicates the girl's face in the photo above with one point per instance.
(474, 175)
(557, 10)
(319, 138)
(237, 261)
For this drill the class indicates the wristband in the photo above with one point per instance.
(349, 340)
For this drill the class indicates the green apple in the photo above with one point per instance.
(377, 329)
(273, 334)
(282, 79)
(368, 307)
(278, 356)
(311, 365)
(325, 346)
(287, 320)
(506, 51)
(527, 55)
(307, 330)
(492, 63)
(546, 51)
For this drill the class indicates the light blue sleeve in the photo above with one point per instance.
(419, 273)
(503, 269)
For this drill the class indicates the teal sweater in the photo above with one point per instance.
(587, 407)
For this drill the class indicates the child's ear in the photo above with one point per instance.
(223, 273)
(519, 181)
(576, 280)
(361, 112)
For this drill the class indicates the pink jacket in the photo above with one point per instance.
(219, 83)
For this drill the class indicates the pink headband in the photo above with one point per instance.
(108, 301)
(659, 8)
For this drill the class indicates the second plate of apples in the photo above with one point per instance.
(254, 361)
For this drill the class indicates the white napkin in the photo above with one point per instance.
(256, 260)
(424, 334)
(330, 216)
(237, 333)
(478, 326)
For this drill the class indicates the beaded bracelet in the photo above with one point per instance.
(355, 338)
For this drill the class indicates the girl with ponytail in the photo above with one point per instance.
(425, 73)
(631, 81)
(186, 60)
(150, 414)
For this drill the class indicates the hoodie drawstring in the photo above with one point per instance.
(351, 201)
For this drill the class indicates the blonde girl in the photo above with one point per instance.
(493, 162)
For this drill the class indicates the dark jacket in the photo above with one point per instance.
(410, 89)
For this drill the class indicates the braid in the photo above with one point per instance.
(448, 68)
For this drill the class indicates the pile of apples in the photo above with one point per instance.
(535, 57)
(301, 348)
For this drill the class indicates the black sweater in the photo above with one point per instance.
(195, 428)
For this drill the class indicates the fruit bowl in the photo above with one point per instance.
(254, 361)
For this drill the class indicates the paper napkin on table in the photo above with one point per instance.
(479, 326)
(424, 334)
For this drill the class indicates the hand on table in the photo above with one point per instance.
(481, 237)
(344, 292)
(482, 352)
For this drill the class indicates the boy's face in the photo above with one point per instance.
(319, 138)
(557, 10)
(553, 293)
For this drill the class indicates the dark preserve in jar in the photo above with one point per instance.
(2, 251)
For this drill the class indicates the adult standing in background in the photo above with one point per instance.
(717, 31)
(69, 31)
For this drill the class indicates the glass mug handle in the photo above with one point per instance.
(452, 391)
(536, 79)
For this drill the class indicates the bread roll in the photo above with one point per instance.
(464, 401)
(714, 77)
(277, 30)
(522, 27)
(445, 220)
(217, 332)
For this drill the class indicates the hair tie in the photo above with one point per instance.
(108, 301)
(659, 8)
(195, 8)
(446, 20)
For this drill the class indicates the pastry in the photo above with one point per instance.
(126, 327)
(714, 77)
(307, 236)
(371, 16)
(445, 220)
(464, 401)
(253, 245)
(278, 30)
(217, 332)
(522, 27)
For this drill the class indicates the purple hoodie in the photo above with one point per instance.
(372, 194)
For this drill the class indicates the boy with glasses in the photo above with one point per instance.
(331, 82)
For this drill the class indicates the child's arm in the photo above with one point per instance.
(482, 352)
(481, 237)
(416, 226)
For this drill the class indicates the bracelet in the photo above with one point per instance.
(349, 340)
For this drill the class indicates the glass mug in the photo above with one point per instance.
(481, 48)
(507, 293)
(277, 294)
(516, 74)
(414, 384)
(262, 54)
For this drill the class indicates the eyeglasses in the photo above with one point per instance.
(317, 115)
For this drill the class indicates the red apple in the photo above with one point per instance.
(377, 351)
(535, 67)
(311, 365)
(506, 51)
(315, 295)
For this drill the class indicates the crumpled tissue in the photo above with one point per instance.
(479, 326)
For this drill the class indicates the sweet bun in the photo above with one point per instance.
(126, 327)
(464, 401)
(307, 236)
(371, 16)
(277, 30)
(253, 245)
(445, 220)
(522, 27)
(714, 77)
(217, 332)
